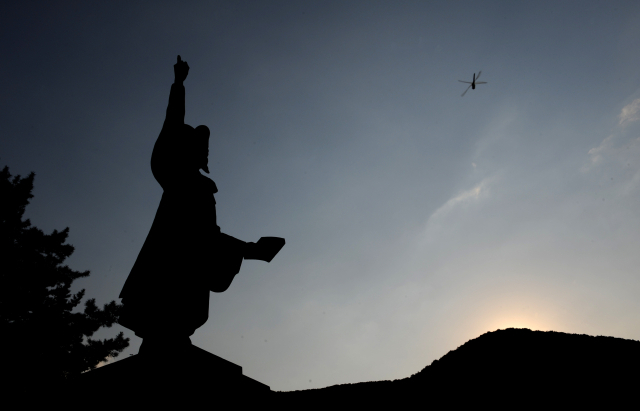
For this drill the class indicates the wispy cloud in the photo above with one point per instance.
(461, 198)
(619, 154)
(596, 153)
(630, 113)
(617, 146)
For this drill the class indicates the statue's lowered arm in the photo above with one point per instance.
(229, 253)
(232, 251)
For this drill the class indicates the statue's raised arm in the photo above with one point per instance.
(175, 110)
(168, 147)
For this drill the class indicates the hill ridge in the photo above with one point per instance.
(519, 362)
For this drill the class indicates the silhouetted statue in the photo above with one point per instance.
(185, 256)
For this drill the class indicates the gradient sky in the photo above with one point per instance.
(415, 219)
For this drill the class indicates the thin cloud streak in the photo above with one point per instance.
(479, 191)
(630, 112)
(621, 147)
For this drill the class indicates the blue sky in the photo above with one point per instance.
(415, 219)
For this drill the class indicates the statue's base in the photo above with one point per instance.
(192, 377)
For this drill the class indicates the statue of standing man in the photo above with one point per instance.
(185, 256)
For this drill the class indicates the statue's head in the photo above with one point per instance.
(197, 146)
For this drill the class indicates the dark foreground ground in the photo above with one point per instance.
(505, 369)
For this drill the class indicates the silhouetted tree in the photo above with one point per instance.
(43, 342)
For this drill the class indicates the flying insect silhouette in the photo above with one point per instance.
(472, 84)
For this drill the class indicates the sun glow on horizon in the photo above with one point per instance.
(515, 312)
(518, 321)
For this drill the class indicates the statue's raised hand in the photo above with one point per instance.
(181, 70)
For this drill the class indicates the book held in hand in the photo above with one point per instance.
(268, 247)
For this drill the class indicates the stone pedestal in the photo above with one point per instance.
(192, 377)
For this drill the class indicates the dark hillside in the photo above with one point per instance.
(520, 366)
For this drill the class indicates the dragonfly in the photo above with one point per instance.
(472, 84)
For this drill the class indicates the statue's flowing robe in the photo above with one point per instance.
(184, 255)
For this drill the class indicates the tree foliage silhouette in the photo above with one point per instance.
(44, 343)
